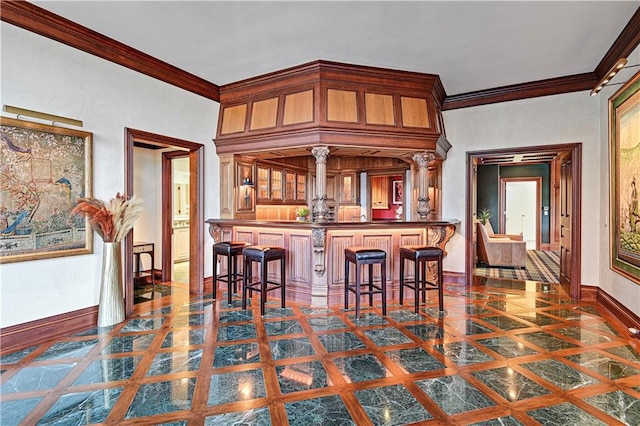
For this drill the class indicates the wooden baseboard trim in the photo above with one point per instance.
(455, 278)
(615, 308)
(31, 333)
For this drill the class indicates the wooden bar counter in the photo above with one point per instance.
(315, 251)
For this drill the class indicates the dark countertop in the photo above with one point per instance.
(299, 224)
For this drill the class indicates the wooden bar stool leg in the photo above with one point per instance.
(358, 281)
(383, 267)
(346, 284)
(244, 283)
(235, 274)
(423, 281)
(215, 273)
(416, 285)
(401, 278)
(263, 284)
(229, 279)
(282, 282)
(371, 284)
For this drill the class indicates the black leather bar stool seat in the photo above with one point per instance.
(420, 255)
(263, 255)
(230, 249)
(359, 256)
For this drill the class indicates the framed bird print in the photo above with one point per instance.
(43, 170)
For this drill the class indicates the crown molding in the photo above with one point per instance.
(35, 19)
(626, 43)
(40, 21)
(532, 89)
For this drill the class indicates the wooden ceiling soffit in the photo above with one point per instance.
(362, 108)
(40, 21)
(279, 145)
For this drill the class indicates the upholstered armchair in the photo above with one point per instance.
(501, 249)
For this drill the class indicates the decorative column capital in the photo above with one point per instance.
(423, 158)
(320, 153)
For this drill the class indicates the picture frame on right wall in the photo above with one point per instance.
(624, 156)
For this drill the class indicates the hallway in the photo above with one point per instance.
(506, 352)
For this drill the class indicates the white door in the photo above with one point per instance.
(520, 210)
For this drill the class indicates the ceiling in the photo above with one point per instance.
(472, 45)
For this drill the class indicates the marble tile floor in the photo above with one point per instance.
(503, 353)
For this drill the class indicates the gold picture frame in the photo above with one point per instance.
(624, 155)
(43, 170)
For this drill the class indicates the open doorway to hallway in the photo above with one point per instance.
(160, 149)
(180, 207)
(558, 167)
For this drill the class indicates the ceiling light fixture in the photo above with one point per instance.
(609, 75)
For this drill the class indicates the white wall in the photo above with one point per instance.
(43, 75)
(623, 290)
(549, 120)
(147, 184)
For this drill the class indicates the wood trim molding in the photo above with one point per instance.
(533, 89)
(626, 43)
(31, 333)
(40, 21)
(617, 309)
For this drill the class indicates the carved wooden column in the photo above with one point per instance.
(321, 153)
(423, 159)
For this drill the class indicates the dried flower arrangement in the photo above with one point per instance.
(113, 221)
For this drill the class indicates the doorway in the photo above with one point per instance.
(180, 208)
(195, 153)
(556, 155)
(521, 198)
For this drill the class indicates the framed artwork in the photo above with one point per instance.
(624, 154)
(43, 170)
(398, 191)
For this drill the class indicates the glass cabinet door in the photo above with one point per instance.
(290, 186)
(301, 187)
(263, 183)
(276, 184)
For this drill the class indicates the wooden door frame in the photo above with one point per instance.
(575, 151)
(167, 209)
(502, 203)
(195, 151)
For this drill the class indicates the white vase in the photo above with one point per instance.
(111, 307)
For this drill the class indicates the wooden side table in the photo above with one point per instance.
(138, 275)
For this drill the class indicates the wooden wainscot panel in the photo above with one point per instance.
(383, 242)
(299, 260)
(342, 106)
(264, 114)
(226, 186)
(414, 112)
(298, 108)
(233, 119)
(337, 244)
(379, 109)
(245, 235)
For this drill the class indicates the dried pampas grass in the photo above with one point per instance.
(111, 222)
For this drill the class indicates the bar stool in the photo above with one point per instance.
(262, 255)
(230, 249)
(420, 255)
(360, 255)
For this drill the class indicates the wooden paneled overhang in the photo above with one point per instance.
(356, 110)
